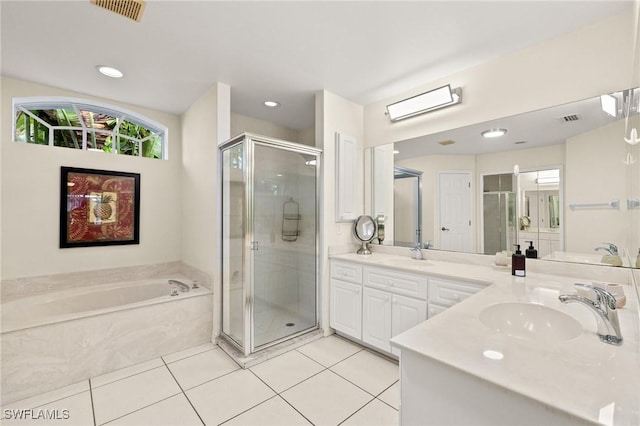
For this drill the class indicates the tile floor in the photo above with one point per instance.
(329, 381)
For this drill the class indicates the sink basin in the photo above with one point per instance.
(530, 321)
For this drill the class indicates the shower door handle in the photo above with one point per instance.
(254, 245)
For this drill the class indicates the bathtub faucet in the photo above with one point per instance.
(183, 287)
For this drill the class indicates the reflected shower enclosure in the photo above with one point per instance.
(269, 240)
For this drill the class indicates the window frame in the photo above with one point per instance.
(23, 104)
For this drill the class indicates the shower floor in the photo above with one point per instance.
(272, 322)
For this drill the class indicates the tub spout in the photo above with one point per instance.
(183, 287)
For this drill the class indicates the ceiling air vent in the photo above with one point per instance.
(570, 118)
(447, 142)
(131, 9)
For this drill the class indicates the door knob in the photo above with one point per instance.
(444, 229)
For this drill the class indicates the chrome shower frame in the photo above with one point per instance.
(249, 141)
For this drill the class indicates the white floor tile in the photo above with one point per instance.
(223, 398)
(127, 395)
(326, 398)
(174, 411)
(48, 397)
(392, 396)
(287, 370)
(329, 350)
(125, 372)
(371, 372)
(71, 411)
(176, 356)
(274, 412)
(197, 369)
(375, 413)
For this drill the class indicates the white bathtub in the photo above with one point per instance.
(54, 339)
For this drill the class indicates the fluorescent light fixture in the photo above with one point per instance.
(609, 104)
(271, 104)
(428, 101)
(548, 180)
(493, 133)
(110, 71)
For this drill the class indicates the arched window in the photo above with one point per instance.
(81, 124)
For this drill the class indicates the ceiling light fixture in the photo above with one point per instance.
(109, 71)
(271, 104)
(441, 97)
(547, 180)
(493, 133)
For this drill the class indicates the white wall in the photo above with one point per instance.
(31, 197)
(242, 123)
(579, 65)
(595, 173)
(335, 114)
(203, 128)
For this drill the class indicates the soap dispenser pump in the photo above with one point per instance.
(518, 263)
(531, 252)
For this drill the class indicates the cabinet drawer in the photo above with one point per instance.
(344, 271)
(396, 282)
(448, 293)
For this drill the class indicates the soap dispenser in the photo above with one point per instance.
(518, 261)
(531, 252)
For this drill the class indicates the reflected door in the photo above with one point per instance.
(283, 246)
(455, 211)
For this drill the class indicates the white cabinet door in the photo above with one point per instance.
(346, 308)
(376, 318)
(405, 313)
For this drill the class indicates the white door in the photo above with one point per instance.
(346, 308)
(376, 318)
(455, 211)
(406, 313)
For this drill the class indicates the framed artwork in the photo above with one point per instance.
(99, 208)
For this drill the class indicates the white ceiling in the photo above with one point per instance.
(286, 51)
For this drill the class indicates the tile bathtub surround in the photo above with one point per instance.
(322, 383)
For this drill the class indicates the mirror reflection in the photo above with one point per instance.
(550, 177)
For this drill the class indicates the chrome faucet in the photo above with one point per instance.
(183, 287)
(417, 252)
(604, 309)
(611, 248)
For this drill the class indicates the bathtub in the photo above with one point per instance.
(55, 339)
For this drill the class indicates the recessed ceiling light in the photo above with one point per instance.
(493, 133)
(271, 104)
(109, 71)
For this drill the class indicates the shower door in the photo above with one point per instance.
(269, 202)
(284, 244)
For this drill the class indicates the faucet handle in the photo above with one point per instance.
(601, 295)
(613, 248)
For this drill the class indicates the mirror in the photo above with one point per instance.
(576, 188)
(364, 229)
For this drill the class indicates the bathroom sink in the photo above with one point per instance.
(530, 321)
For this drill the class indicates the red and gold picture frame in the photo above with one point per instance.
(99, 207)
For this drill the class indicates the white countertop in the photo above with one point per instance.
(582, 376)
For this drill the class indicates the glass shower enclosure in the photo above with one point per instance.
(269, 202)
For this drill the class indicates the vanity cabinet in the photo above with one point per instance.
(373, 304)
(393, 302)
(345, 313)
(444, 293)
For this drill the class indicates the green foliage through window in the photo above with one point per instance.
(86, 126)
